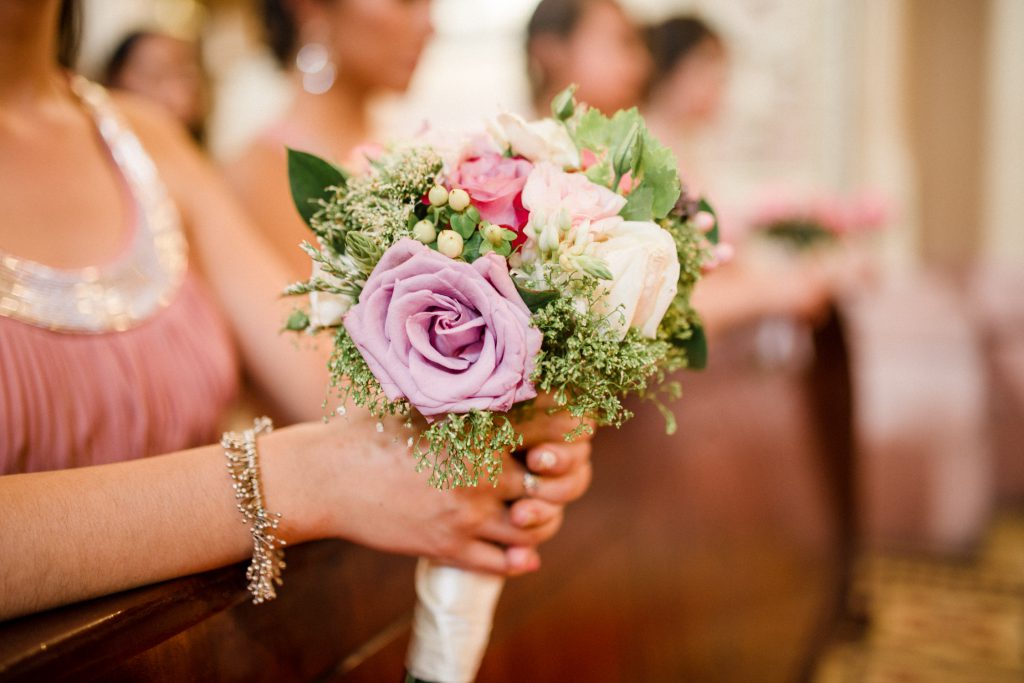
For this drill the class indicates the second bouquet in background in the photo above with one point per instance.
(461, 277)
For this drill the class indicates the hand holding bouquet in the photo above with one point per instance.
(461, 278)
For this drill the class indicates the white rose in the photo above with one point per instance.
(645, 269)
(326, 309)
(543, 140)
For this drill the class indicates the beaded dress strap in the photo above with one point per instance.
(118, 295)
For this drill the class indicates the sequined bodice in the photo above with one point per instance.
(141, 281)
(114, 362)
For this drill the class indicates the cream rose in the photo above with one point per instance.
(543, 140)
(326, 309)
(645, 269)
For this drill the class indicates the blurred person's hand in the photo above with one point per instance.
(743, 291)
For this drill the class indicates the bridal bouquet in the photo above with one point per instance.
(461, 277)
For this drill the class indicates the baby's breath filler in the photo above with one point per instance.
(460, 449)
(586, 362)
(587, 370)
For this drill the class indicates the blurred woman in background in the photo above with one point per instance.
(688, 81)
(591, 43)
(595, 44)
(339, 54)
(166, 70)
(130, 287)
(684, 99)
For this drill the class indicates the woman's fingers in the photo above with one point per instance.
(572, 460)
(530, 512)
(543, 427)
(556, 459)
(510, 483)
(522, 560)
(480, 556)
(545, 524)
(563, 489)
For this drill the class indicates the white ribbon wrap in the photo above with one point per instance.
(452, 622)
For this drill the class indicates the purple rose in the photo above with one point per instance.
(449, 336)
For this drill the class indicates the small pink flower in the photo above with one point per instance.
(626, 185)
(588, 158)
(495, 186)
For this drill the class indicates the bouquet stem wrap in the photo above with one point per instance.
(452, 622)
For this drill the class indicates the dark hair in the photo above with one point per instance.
(69, 33)
(280, 30)
(674, 39)
(121, 55)
(557, 18)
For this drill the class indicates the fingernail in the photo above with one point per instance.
(519, 559)
(545, 460)
(524, 516)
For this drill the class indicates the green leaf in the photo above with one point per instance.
(474, 247)
(309, 177)
(712, 235)
(297, 321)
(639, 204)
(696, 348)
(563, 105)
(509, 235)
(601, 173)
(628, 150)
(625, 141)
(659, 171)
(503, 249)
(535, 299)
(463, 224)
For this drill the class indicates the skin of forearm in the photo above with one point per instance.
(74, 534)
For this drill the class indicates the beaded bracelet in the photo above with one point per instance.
(264, 572)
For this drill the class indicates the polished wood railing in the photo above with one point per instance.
(675, 566)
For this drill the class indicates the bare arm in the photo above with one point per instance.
(739, 293)
(243, 269)
(75, 534)
(259, 179)
(70, 535)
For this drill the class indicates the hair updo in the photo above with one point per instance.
(674, 39)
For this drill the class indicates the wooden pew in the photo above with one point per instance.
(717, 554)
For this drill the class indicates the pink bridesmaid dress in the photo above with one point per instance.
(116, 361)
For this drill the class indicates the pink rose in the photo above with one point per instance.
(495, 186)
(446, 335)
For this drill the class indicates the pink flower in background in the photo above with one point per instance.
(446, 335)
(836, 214)
(495, 186)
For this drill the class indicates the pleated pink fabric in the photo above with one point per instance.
(75, 399)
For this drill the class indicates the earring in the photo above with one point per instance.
(314, 63)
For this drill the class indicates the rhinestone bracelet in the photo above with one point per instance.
(264, 572)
